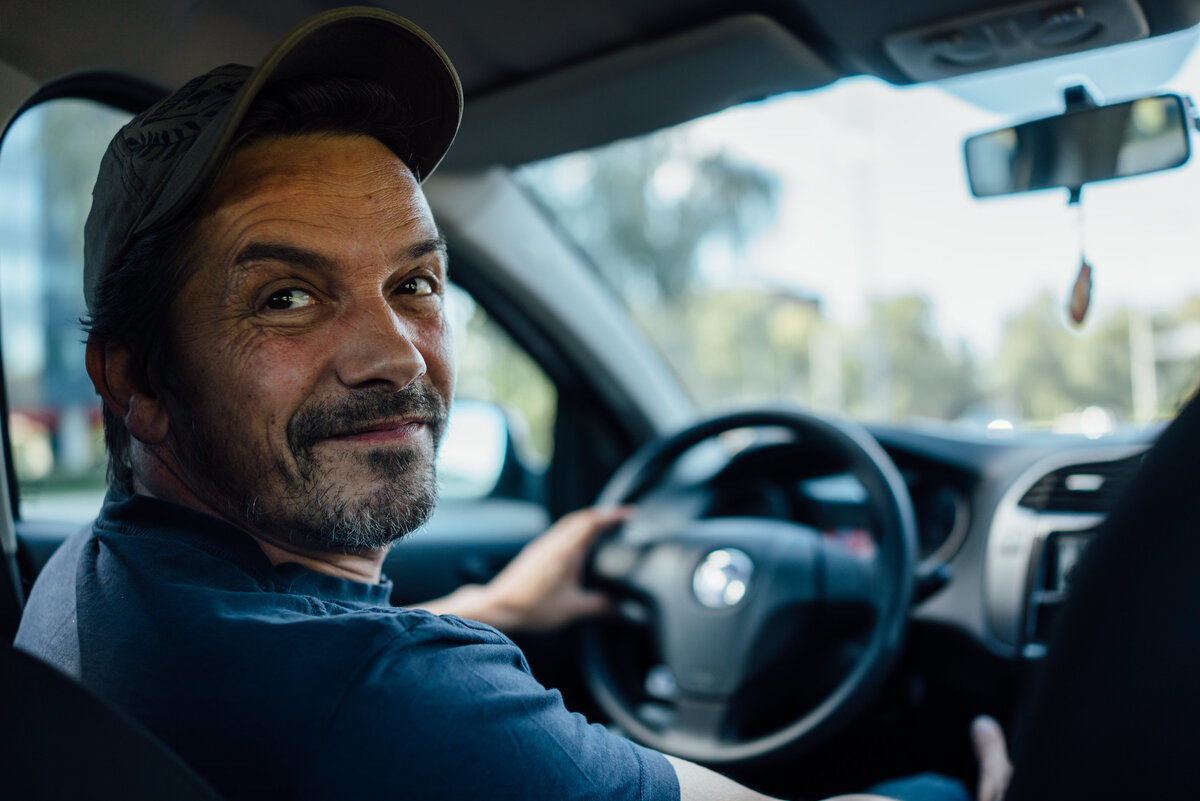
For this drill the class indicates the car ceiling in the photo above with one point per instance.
(540, 76)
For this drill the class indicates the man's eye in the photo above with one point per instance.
(290, 298)
(418, 285)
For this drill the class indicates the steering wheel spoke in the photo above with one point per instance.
(849, 579)
(615, 560)
(708, 652)
(699, 719)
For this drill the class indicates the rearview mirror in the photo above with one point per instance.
(1082, 146)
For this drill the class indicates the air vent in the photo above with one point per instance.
(1092, 487)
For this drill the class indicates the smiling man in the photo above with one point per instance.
(265, 285)
(317, 293)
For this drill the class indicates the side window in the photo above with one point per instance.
(500, 433)
(48, 164)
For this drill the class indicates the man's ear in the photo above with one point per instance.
(124, 389)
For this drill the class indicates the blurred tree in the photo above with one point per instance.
(1177, 347)
(737, 345)
(1048, 370)
(922, 377)
(494, 368)
(647, 212)
(644, 209)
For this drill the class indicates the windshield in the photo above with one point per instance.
(824, 248)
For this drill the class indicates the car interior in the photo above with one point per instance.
(882, 314)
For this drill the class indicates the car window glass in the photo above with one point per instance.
(48, 165)
(823, 248)
(496, 373)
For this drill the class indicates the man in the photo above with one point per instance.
(265, 282)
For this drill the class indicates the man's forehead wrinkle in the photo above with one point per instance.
(298, 161)
(266, 216)
(252, 176)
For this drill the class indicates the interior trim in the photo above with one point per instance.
(1016, 535)
(742, 58)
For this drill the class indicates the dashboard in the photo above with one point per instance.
(1001, 521)
(1031, 504)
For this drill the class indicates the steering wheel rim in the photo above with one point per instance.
(896, 543)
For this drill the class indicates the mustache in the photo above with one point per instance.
(334, 418)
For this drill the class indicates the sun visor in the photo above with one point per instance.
(634, 91)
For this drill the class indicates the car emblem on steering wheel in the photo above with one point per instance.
(721, 580)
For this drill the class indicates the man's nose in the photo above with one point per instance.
(378, 348)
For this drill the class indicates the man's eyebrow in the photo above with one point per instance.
(435, 244)
(301, 257)
(288, 254)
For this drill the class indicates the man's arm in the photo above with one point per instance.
(697, 783)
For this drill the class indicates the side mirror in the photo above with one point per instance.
(1084, 145)
(479, 457)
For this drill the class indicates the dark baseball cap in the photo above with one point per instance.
(168, 156)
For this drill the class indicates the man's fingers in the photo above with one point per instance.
(995, 769)
(586, 525)
(591, 604)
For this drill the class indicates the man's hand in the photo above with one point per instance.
(995, 769)
(541, 587)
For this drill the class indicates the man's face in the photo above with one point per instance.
(313, 366)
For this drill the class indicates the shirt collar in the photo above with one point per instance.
(146, 516)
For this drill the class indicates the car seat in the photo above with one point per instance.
(1116, 705)
(59, 741)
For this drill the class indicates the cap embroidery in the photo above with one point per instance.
(169, 127)
(197, 98)
(162, 145)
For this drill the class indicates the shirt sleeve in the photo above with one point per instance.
(450, 710)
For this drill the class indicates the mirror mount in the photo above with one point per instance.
(1077, 98)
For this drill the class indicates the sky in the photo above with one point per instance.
(868, 156)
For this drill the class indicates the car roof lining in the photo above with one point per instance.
(742, 58)
(529, 65)
(494, 46)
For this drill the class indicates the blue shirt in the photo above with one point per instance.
(279, 682)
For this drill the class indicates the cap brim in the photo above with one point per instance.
(355, 42)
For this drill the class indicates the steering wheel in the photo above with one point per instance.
(716, 592)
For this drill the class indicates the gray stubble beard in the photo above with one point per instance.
(390, 512)
(325, 519)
